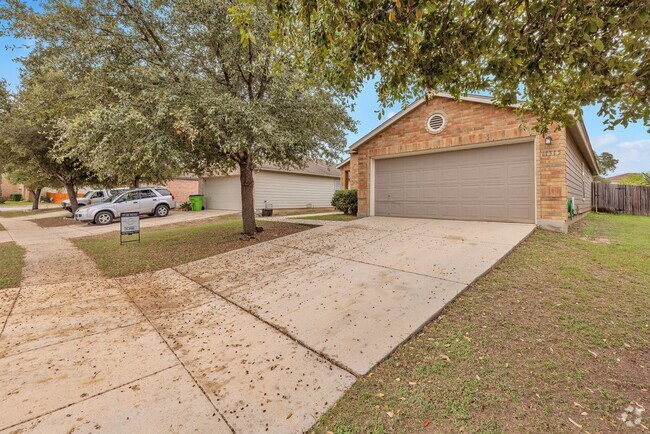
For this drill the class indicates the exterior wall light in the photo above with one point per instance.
(548, 140)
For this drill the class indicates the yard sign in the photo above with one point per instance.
(129, 225)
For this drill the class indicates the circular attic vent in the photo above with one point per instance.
(436, 123)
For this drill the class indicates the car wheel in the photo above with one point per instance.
(104, 218)
(162, 211)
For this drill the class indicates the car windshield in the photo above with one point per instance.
(89, 193)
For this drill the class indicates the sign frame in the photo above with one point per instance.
(129, 225)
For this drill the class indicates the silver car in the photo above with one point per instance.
(150, 200)
(93, 197)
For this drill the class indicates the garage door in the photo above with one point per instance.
(493, 184)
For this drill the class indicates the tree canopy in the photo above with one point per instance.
(554, 57)
(29, 133)
(186, 76)
(606, 162)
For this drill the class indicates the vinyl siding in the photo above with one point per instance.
(578, 184)
(282, 190)
(222, 193)
(287, 190)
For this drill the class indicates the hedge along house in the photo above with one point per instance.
(471, 160)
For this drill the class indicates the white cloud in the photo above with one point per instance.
(636, 144)
(632, 155)
(606, 140)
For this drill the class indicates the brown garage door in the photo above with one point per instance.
(494, 184)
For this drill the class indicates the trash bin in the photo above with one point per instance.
(197, 202)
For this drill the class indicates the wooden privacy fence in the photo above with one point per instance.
(621, 199)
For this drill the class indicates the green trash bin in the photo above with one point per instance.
(197, 202)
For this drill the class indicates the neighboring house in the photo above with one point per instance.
(7, 188)
(470, 160)
(309, 187)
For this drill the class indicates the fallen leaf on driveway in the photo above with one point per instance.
(289, 415)
(426, 422)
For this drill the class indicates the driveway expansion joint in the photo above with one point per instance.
(282, 330)
(180, 362)
(89, 397)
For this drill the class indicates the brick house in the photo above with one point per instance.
(7, 188)
(471, 160)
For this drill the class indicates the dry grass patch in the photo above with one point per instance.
(164, 247)
(54, 222)
(11, 264)
(555, 337)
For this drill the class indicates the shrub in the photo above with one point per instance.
(185, 206)
(16, 197)
(46, 199)
(3, 199)
(346, 201)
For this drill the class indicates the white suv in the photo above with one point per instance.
(151, 201)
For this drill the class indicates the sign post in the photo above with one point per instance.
(129, 225)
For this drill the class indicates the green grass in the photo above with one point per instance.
(11, 264)
(562, 320)
(16, 203)
(10, 214)
(333, 217)
(170, 246)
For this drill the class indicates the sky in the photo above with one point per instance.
(631, 145)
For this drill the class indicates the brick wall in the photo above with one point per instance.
(7, 188)
(182, 188)
(468, 123)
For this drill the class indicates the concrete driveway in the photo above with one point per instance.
(354, 292)
(263, 339)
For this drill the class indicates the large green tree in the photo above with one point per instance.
(188, 74)
(606, 162)
(29, 133)
(556, 56)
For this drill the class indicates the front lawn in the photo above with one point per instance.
(11, 264)
(554, 339)
(333, 217)
(53, 222)
(19, 213)
(170, 246)
(16, 203)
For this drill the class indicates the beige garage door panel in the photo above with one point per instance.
(495, 184)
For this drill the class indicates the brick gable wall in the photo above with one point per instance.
(469, 124)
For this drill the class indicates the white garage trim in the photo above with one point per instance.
(522, 140)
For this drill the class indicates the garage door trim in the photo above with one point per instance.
(521, 140)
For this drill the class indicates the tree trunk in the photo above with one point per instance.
(247, 196)
(36, 197)
(72, 195)
(136, 181)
